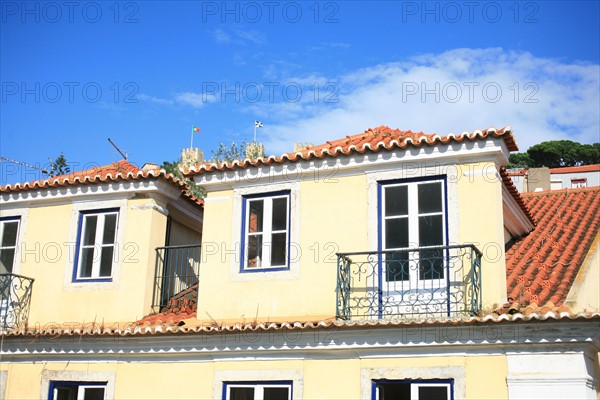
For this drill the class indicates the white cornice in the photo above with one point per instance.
(327, 168)
(397, 341)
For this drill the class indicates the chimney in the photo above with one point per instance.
(537, 179)
(191, 157)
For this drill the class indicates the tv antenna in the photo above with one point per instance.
(118, 149)
(10, 160)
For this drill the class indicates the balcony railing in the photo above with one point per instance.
(15, 299)
(415, 283)
(176, 276)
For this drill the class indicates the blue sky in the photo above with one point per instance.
(142, 73)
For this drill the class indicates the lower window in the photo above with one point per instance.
(257, 390)
(77, 390)
(412, 390)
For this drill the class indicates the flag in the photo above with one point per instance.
(258, 124)
(196, 129)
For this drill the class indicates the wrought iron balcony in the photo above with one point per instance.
(15, 299)
(417, 283)
(176, 276)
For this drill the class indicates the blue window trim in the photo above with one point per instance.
(82, 213)
(15, 218)
(243, 231)
(375, 382)
(53, 385)
(282, 383)
(380, 186)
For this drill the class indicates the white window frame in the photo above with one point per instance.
(258, 388)
(81, 388)
(267, 232)
(413, 230)
(15, 247)
(414, 388)
(97, 246)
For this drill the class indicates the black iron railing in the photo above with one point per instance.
(414, 283)
(15, 299)
(176, 276)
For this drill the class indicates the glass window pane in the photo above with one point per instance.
(430, 197)
(9, 236)
(396, 200)
(7, 258)
(279, 214)
(110, 227)
(87, 260)
(278, 248)
(254, 251)
(396, 233)
(106, 261)
(90, 229)
(397, 266)
(93, 393)
(255, 222)
(431, 264)
(66, 393)
(433, 393)
(244, 393)
(276, 393)
(393, 391)
(431, 230)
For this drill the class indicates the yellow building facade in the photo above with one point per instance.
(371, 267)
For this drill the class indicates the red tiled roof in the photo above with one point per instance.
(542, 266)
(373, 140)
(182, 327)
(574, 170)
(117, 171)
(510, 185)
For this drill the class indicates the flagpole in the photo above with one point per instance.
(192, 139)
(254, 131)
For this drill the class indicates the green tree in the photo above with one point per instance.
(59, 166)
(173, 168)
(519, 160)
(230, 153)
(563, 153)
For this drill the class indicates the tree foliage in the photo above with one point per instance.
(230, 153)
(556, 153)
(59, 166)
(173, 168)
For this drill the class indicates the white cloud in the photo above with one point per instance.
(221, 36)
(152, 99)
(462, 89)
(196, 100)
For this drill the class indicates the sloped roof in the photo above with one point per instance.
(372, 140)
(115, 172)
(542, 266)
(575, 170)
(182, 327)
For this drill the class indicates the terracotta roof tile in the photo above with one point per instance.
(542, 266)
(371, 140)
(514, 192)
(167, 328)
(115, 172)
(573, 170)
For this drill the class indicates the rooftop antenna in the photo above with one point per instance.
(119, 150)
(10, 160)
